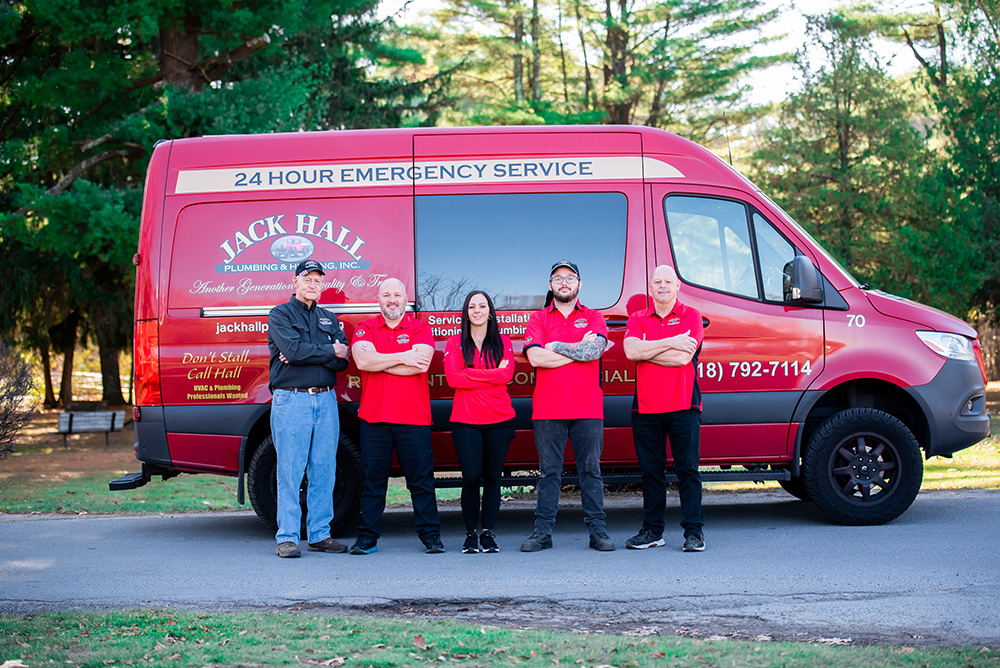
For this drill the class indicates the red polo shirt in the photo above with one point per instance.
(663, 389)
(573, 391)
(384, 396)
(480, 391)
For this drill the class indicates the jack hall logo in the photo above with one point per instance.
(290, 242)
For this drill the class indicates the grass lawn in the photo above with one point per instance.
(180, 638)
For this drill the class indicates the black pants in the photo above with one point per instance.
(650, 433)
(412, 444)
(482, 449)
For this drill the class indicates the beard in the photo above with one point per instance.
(566, 299)
(392, 312)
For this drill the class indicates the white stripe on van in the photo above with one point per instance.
(354, 175)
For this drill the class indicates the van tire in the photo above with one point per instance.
(796, 487)
(862, 467)
(262, 487)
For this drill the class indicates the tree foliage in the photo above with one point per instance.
(88, 88)
(848, 158)
(671, 64)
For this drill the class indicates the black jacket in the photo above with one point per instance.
(305, 336)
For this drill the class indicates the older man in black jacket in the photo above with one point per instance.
(308, 347)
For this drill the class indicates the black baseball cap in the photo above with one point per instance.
(307, 266)
(565, 263)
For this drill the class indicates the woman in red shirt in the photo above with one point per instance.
(479, 363)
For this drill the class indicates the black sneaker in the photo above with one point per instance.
(328, 545)
(471, 545)
(645, 538)
(537, 542)
(432, 544)
(365, 544)
(489, 541)
(694, 543)
(287, 550)
(602, 542)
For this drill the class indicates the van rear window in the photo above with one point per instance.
(506, 245)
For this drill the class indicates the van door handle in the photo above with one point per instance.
(705, 322)
(616, 322)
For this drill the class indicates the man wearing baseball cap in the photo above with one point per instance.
(308, 347)
(565, 341)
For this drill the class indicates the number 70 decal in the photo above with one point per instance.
(857, 320)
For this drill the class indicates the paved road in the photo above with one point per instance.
(773, 566)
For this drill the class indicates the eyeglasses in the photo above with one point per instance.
(312, 281)
(564, 280)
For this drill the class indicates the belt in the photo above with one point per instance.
(310, 390)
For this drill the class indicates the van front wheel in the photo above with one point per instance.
(262, 486)
(862, 467)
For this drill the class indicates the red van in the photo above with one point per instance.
(835, 390)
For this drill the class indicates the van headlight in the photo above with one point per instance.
(952, 346)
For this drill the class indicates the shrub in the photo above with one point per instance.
(16, 408)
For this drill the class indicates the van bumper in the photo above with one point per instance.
(955, 405)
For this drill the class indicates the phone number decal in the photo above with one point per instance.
(757, 369)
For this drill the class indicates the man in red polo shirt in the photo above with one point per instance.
(393, 352)
(565, 341)
(664, 341)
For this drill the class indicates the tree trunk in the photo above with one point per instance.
(536, 55)
(518, 59)
(588, 82)
(562, 57)
(111, 382)
(50, 396)
(616, 65)
(66, 385)
(179, 53)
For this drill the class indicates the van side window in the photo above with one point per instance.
(711, 243)
(775, 254)
(506, 244)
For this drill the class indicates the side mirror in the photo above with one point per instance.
(807, 284)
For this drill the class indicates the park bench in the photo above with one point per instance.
(78, 422)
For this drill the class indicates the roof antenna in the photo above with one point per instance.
(728, 145)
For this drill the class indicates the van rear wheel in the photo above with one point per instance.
(862, 467)
(262, 486)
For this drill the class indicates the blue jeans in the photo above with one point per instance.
(651, 433)
(306, 430)
(412, 444)
(587, 439)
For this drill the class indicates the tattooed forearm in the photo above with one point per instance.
(584, 351)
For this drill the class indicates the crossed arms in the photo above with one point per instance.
(672, 351)
(559, 353)
(410, 362)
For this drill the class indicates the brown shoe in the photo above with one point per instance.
(328, 545)
(288, 549)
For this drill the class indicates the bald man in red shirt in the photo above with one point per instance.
(664, 341)
(393, 351)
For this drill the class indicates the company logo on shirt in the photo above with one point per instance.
(359, 333)
(580, 323)
(527, 340)
(403, 339)
(673, 322)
